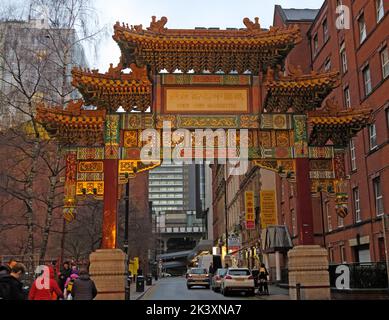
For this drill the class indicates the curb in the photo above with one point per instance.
(143, 293)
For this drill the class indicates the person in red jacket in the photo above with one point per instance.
(45, 287)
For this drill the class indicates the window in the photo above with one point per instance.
(343, 254)
(331, 253)
(340, 221)
(379, 204)
(325, 31)
(343, 57)
(362, 29)
(353, 156)
(315, 44)
(357, 205)
(367, 80)
(328, 212)
(327, 65)
(373, 136)
(347, 98)
(380, 10)
(362, 253)
(385, 63)
(381, 249)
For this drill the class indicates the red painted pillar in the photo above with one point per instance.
(111, 186)
(304, 203)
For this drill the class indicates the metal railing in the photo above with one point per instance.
(372, 275)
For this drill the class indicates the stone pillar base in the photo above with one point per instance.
(107, 269)
(308, 266)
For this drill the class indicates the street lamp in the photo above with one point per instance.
(126, 221)
(226, 212)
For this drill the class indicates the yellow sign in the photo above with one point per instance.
(207, 100)
(134, 266)
(250, 215)
(268, 208)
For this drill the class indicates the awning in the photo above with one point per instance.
(203, 245)
(173, 264)
(276, 238)
(173, 255)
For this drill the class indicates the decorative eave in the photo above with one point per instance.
(336, 126)
(298, 92)
(254, 49)
(73, 125)
(114, 89)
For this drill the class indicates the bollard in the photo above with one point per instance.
(298, 291)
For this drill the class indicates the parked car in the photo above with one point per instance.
(198, 277)
(165, 275)
(217, 279)
(238, 280)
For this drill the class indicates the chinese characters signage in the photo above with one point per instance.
(249, 204)
(268, 208)
(207, 100)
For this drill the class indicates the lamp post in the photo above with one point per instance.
(126, 218)
(226, 212)
(320, 189)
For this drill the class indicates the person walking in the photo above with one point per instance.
(11, 288)
(211, 270)
(69, 285)
(84, 287)
(263, 274)
(64, 275)
(45, 290)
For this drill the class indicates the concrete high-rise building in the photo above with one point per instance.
(173, 187)
(33, 55)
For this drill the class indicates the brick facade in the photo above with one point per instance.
(361, 231)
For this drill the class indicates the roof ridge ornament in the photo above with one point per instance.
(157, 25)
(252, 26)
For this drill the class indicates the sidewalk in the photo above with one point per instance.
(276, 293)
(138, 295)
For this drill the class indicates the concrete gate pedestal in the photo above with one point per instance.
(107, 269)
(308, 266)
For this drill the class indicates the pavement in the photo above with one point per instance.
(138, 295)
(175, 289)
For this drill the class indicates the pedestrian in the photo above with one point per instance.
(226, 266)
(84, 287)
(11, 288)
(45, 289)
(69, 285)
(4, 270)
(263, 274)
(64, 275)
(211, 270)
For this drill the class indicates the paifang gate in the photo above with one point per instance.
(228, 79)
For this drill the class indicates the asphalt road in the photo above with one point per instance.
(175, 289)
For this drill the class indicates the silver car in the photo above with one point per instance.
(217, 279)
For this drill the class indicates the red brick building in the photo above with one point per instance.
(360, 52)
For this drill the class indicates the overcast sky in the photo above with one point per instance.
(185, 14)
(180, 13)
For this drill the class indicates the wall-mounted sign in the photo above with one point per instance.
(268, 208)
(207, 100)
(249, 205)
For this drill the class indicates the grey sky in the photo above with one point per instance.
(181, 14)
(185, 14)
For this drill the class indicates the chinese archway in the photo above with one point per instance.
(228, 79)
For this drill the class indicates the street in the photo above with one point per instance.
(175, 289)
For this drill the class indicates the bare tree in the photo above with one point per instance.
(36, 59)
